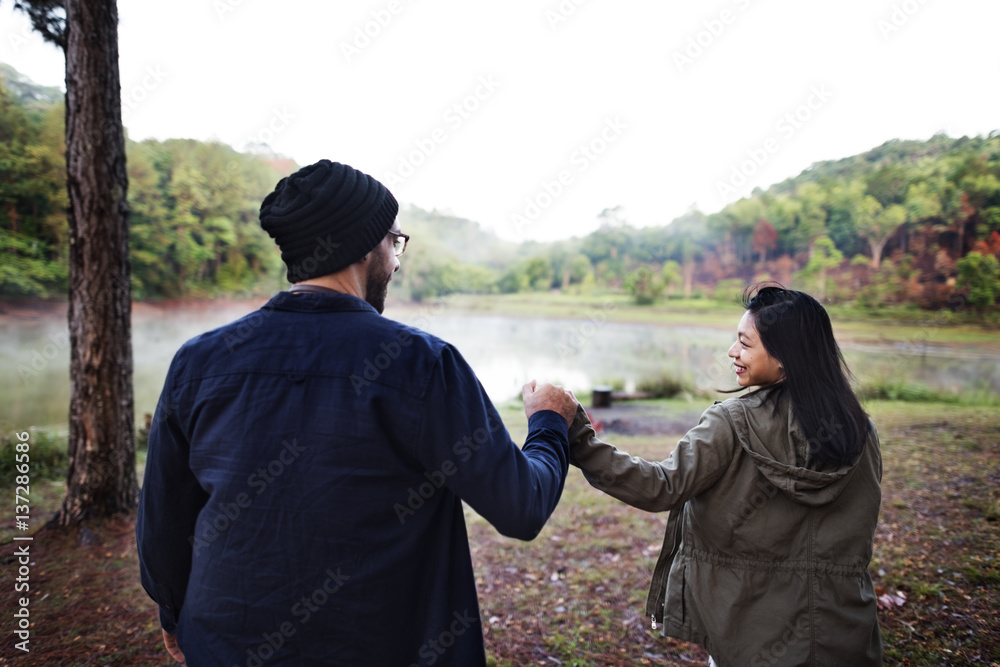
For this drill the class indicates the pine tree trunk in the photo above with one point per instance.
(101, 478)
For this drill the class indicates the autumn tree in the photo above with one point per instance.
(765, 239)
(101, 478)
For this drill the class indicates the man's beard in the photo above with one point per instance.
(377, 284)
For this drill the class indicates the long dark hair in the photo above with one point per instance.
(795, 329)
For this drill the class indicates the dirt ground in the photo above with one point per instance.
(575, 595)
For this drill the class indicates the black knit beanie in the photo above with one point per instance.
(325, 217)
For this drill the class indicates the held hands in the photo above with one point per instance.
(549, 397)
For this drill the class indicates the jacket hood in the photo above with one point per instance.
(780, 450)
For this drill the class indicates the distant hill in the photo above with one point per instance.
(27, 92)
(895, 152)
(908, 221)
(449, 236)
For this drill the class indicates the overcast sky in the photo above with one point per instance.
(532, 117)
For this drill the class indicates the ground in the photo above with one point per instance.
(575, 595)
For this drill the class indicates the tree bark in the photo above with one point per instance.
(101, 479)
(876, 246)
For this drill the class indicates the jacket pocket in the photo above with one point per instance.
(675, 607)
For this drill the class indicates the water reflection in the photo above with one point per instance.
(505, 353)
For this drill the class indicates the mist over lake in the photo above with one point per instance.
(505, 351)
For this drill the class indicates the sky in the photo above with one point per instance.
(532, 117)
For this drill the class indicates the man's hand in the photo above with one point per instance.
(549, 397)
(170, 641)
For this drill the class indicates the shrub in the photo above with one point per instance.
(664, 386)
(47, 455)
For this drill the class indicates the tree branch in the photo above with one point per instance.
(48, 18)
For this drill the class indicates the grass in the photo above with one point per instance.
(46, 453)
(576, 594)
(937, 543)
(882, 389)
(939, 538)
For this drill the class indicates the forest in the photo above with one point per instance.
(913, 222)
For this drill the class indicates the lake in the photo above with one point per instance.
(504, 351)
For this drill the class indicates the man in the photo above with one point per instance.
(302, 502)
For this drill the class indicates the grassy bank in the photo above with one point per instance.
(576, 594)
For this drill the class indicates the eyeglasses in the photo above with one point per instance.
(399, 242)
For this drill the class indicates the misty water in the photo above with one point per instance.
(504, 351)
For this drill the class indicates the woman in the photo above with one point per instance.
(773, 499)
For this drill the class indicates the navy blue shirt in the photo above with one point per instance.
(302, 500)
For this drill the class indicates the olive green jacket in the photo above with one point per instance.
(765, 561)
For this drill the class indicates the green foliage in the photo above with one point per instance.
(33, 259)
(449, 255)
(888, 389)
(25, 271)
(895, 390)
(664, 386)
(193, 223)
(538, 271)
(579, 269)
(922, 205)
(534, 274)
(729, 291)
(979, 275)
(194, 229)
(645, 285)
(671, 275)
(875, 223)
(47, 455)
(824, 256)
